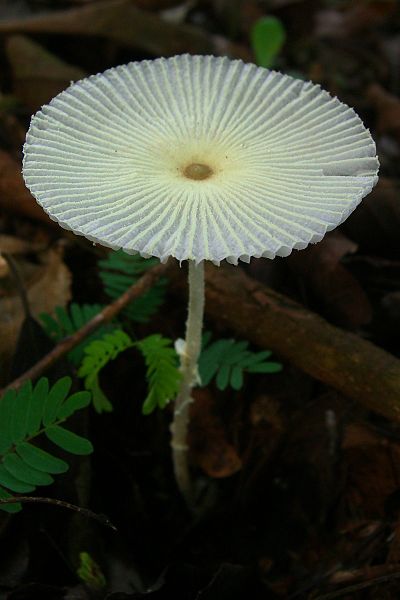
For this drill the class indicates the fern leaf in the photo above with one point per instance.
(6, 413)
(18, 421)
(67, 322)
(36, 405)
(255, 357)
(223, 375)
(163, 374)
(14, 484)
(270, 367)
(25, 415)
(25, 473)
(210, 360)
(69, 441)
(227, 360)
(40, 459)
(54, 400)
(97, 355)
(236, 377)
(75, 402)
(119, 271)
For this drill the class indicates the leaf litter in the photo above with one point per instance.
(301, 484)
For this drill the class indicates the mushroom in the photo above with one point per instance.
(200, 158)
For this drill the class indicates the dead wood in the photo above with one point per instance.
(352, 365)
(123, 23)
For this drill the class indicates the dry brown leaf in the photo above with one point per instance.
(357, 17)
(123, 23)
(210, 448)
(47, 285)
(38, 75)
(12, 129)
(10, 244)
(15, 198)
(372, 467)
(265, 410)
(319, 265)
(4, 268)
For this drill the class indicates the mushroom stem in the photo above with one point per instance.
(190, 378)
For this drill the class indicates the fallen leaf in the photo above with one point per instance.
(47, 283)
(123, 23)
(371, 470)
(4, 268)
(14, 245)
(355, 18)
(12, 132)
(15, 198)
(210, 448)
(37, 74)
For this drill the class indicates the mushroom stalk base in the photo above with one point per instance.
(190, 378)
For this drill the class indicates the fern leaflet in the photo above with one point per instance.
(68, 321)
(96, 356)
(227, 360)
(163, 375)
(27, 414)
(119, 271)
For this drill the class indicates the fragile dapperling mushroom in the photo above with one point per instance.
(200, 158)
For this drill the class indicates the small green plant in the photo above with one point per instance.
(227, 360)
(162, 373)
(267, 38)
(90, 573)
(97, 355)
(24, 416)
(119, 271)
(163, 376)
(67, 321)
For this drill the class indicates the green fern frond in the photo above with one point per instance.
(96, 355)
(119, 271)
(163, 375)
(67, 321)
(161, 360)
(227, 360)
(25, 415)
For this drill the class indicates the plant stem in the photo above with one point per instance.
(190, 377)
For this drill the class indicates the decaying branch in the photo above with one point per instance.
(123, 23)
(106, 315)
(355, 367)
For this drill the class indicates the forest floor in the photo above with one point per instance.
(299, 471)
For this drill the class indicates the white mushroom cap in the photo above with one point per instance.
(200, 158)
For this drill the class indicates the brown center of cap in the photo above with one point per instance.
(197, 171)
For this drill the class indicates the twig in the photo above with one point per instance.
(108, 313)
(60, 503)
